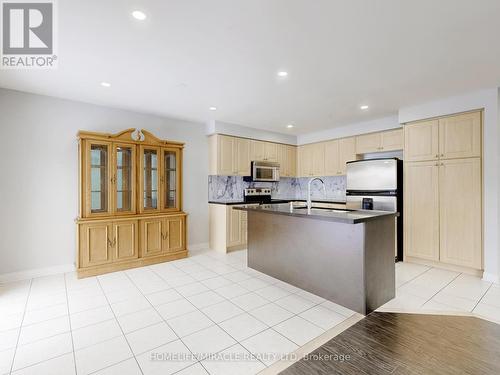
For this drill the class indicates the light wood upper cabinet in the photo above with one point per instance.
(367, 143)
(242, 156)
(332, 161)
(421, 210)
(318, 155)
(460, 136)
(305, 160)
(460, 212)
(347, 152)
(270, 151)
(292, 160)
(257, 150)
(125, 242)
(381, 141)
(392, 140)
(226, 148)
(449, 137)
(422, 141)
(95, 244)
(337, 153)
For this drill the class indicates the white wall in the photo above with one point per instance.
(217, 127)
(384, 123)
(489, 100)
(39, 174)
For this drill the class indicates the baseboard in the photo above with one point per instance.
(491, 277)
(198, 246)
(37, 272)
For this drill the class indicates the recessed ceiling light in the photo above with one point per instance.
(289, 126)
(212, 108)
(138, 15)
(105, 84)
(364, 107)
(282, 74)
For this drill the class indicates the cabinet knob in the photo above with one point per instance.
(442, 155)
(437, 155)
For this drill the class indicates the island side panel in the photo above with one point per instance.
(323, 257)
(380, 267)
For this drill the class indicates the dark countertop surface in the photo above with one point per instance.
(274, 201)
(341, 216)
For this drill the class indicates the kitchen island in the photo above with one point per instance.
(344, 256)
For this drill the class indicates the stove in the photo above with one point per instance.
(257, 195)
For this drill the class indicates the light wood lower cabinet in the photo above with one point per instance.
(107, 246)
(162, 235)
(95, 246)
(443, 216)
(227, 227)
(106, 242)
(125, 240)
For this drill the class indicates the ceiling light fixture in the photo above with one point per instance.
(105, 84)
(138, 15)
(289, 126)
(364, 107)
(212, 108)
(282, 74)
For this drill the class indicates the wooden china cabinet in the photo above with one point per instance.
(130, 201)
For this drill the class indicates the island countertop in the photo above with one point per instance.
(336, 215)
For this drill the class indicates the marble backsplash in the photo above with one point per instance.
(231, 188)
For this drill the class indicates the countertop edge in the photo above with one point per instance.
(231, 203)
(381, 214)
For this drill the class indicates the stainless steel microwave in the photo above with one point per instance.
(265, 171)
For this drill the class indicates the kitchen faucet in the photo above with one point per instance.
(309, 204)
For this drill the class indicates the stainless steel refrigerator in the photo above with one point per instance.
(378, 183)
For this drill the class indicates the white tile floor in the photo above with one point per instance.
(114, 323)
(425, 289)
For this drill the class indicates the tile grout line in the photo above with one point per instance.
(125, 337)
(20, 328)
(482, 296)
(413, 278)
(216, 324)
(69, 320)
(440, 290)
(164, 320)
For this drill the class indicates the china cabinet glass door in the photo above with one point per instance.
(150, 181)
(170, 179)
(123, 180)
(98, 155)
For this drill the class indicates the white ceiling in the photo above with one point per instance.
(189, 55)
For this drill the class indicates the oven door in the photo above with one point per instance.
(265, 173)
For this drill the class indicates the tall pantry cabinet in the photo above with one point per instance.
(443, 190)
(130, 201)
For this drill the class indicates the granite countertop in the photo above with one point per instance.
(341, 216)
(275, 201)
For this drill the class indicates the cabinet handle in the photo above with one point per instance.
(437, 164)
(164, 236)
(437, 155)
(442, 155)
(110, 244)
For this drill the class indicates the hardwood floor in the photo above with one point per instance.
(390, 343)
